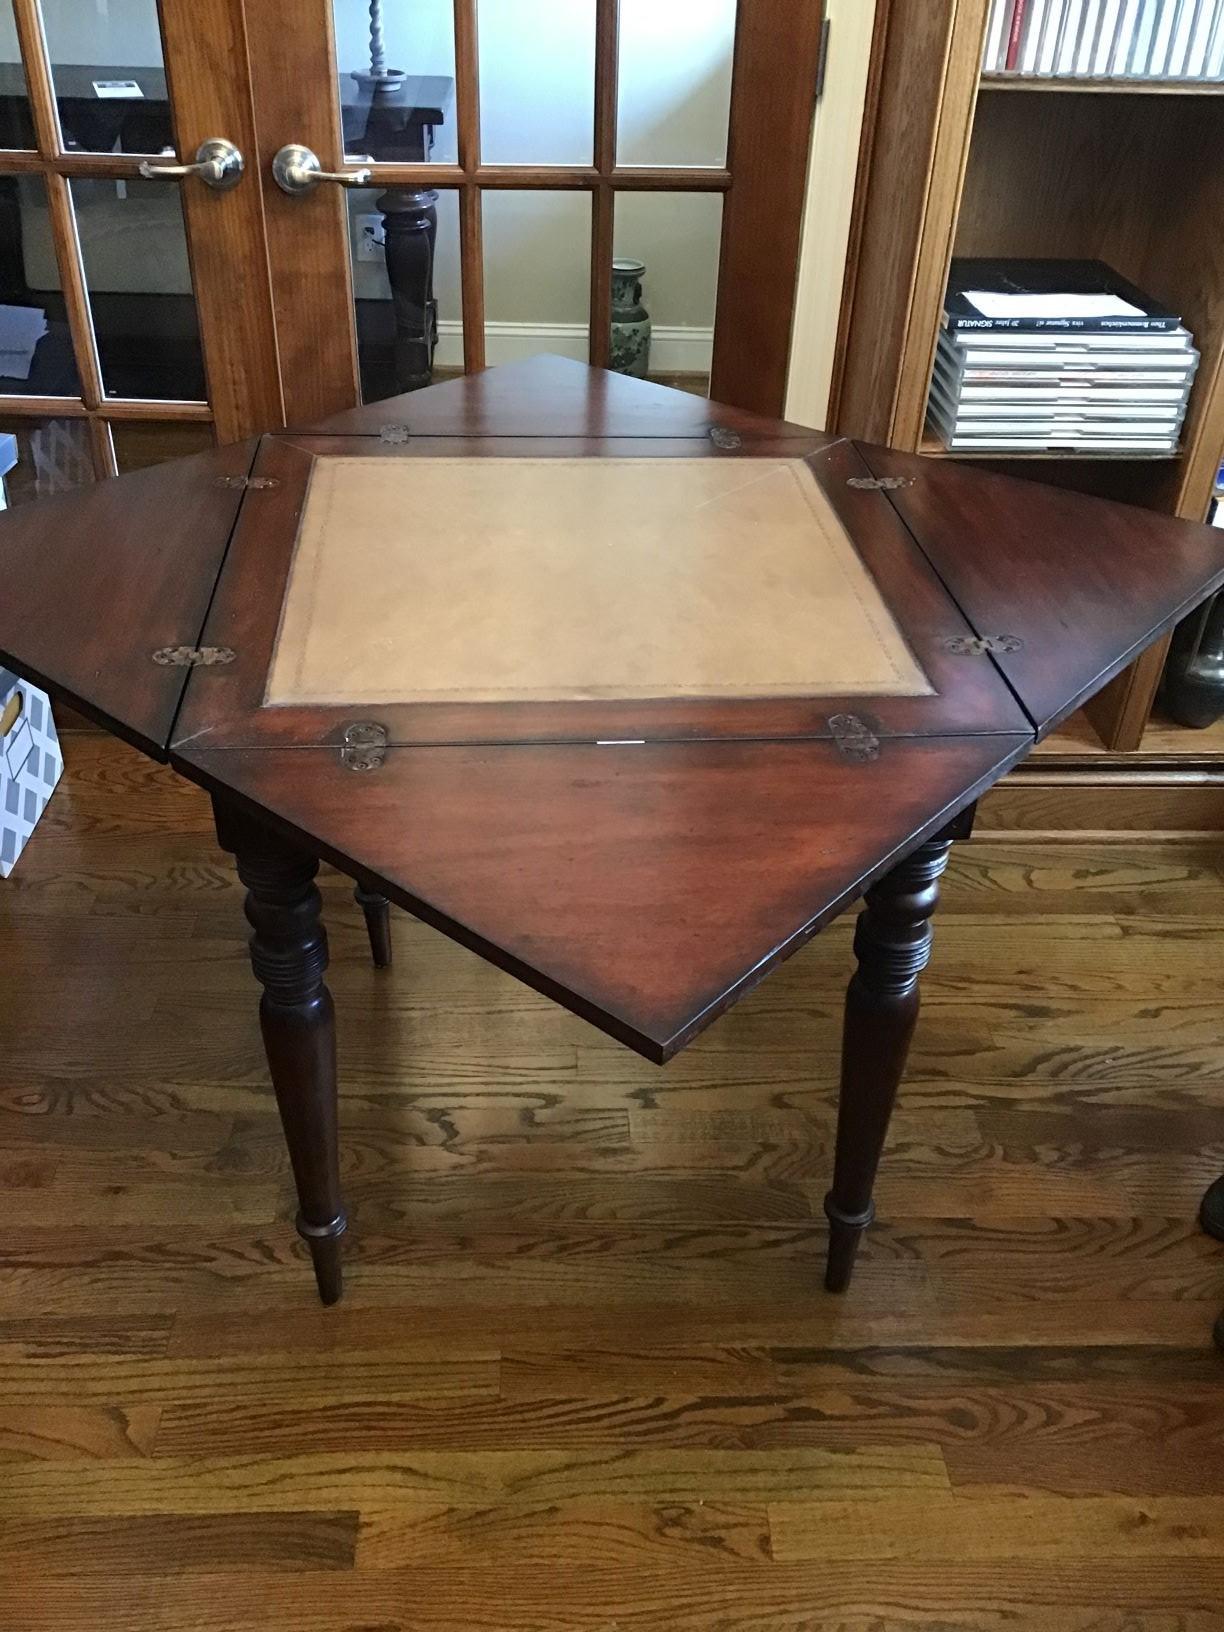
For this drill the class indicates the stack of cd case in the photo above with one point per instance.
(1055, 385)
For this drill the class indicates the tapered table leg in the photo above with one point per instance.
(289, 956)
(1211, 1216)
(377, 910)
(892, 942)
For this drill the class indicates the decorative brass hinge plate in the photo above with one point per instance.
(255, 483)
(880, 484)
(394, 434)
(194, 657)
(364, 747)
(854, 738)
(723, 438)
(979, 645)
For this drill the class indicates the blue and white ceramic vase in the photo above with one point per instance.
(631, 325)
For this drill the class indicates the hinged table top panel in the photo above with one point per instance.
(571, 589)
(570, 579)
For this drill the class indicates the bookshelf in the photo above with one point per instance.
(958, 162)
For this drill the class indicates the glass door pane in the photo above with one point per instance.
(109, 76)
(397, 79)
(667, 245)
(537, 81)
(674, 106)
(16, 122)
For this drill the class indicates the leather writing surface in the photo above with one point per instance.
(534, 579)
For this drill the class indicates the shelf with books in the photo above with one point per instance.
(932, 446)
(1139, 40)
(955, 164)
(1073, 84)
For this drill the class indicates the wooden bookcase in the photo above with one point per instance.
(957, 162)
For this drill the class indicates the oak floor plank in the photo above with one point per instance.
(1138, 1595)
(585, 1377)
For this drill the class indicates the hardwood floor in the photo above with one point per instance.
(585, 1377)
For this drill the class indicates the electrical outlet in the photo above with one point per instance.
(371, 237)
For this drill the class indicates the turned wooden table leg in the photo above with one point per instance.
(377, 910)
(289, 956)
(1211, 1216)
(892, 942)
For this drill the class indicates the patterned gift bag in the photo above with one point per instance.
(30, 764)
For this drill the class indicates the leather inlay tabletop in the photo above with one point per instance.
(558, 579)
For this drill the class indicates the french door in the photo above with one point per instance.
(473, 170)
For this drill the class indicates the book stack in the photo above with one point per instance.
(1057, 357)
(1107, 39)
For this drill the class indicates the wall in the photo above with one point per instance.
(537, 60)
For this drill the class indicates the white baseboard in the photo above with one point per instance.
(676, 349)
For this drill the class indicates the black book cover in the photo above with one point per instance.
(1031, 277)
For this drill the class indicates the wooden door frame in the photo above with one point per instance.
(777, 49)
(204, 49)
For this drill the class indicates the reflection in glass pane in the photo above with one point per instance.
(675, 82)
(134, 247)
(537, 258)
(406, 288)
(16, 125)
(36, 357)
(397, 80)
(676, 239)
(139, 443)
(48, 456)
(110, 85)
(537, 81)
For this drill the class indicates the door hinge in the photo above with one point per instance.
(194, 657)
(364, 747)
(854, 738)
(255, 483)
(822, 61)
(979, 645)
(394, 434)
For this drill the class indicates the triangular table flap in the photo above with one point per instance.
(93, 583)
(1076, 586)
(555, 396)
(644, 888)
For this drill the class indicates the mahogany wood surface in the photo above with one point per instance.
(1084, 583)
(555, 396)
(644, 888)
(95, 581)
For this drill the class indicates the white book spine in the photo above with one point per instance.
(1162, 39)
(1215, 48)
(1179, 51)
(1049, 37)
(1142, 46)
(994, 34)
(1087, 35)
(1124, 39)
(1034, 18)
(1064, 54)
(1200, 56)
(1105, 37)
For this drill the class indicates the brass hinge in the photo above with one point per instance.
(854, 738)
(394, 434)
(364, 747)
(880, 484)
(822, 61)
(723, 438)
(194, 657)
(255, 483)
(979, 645)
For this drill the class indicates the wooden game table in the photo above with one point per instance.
(627, 692)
